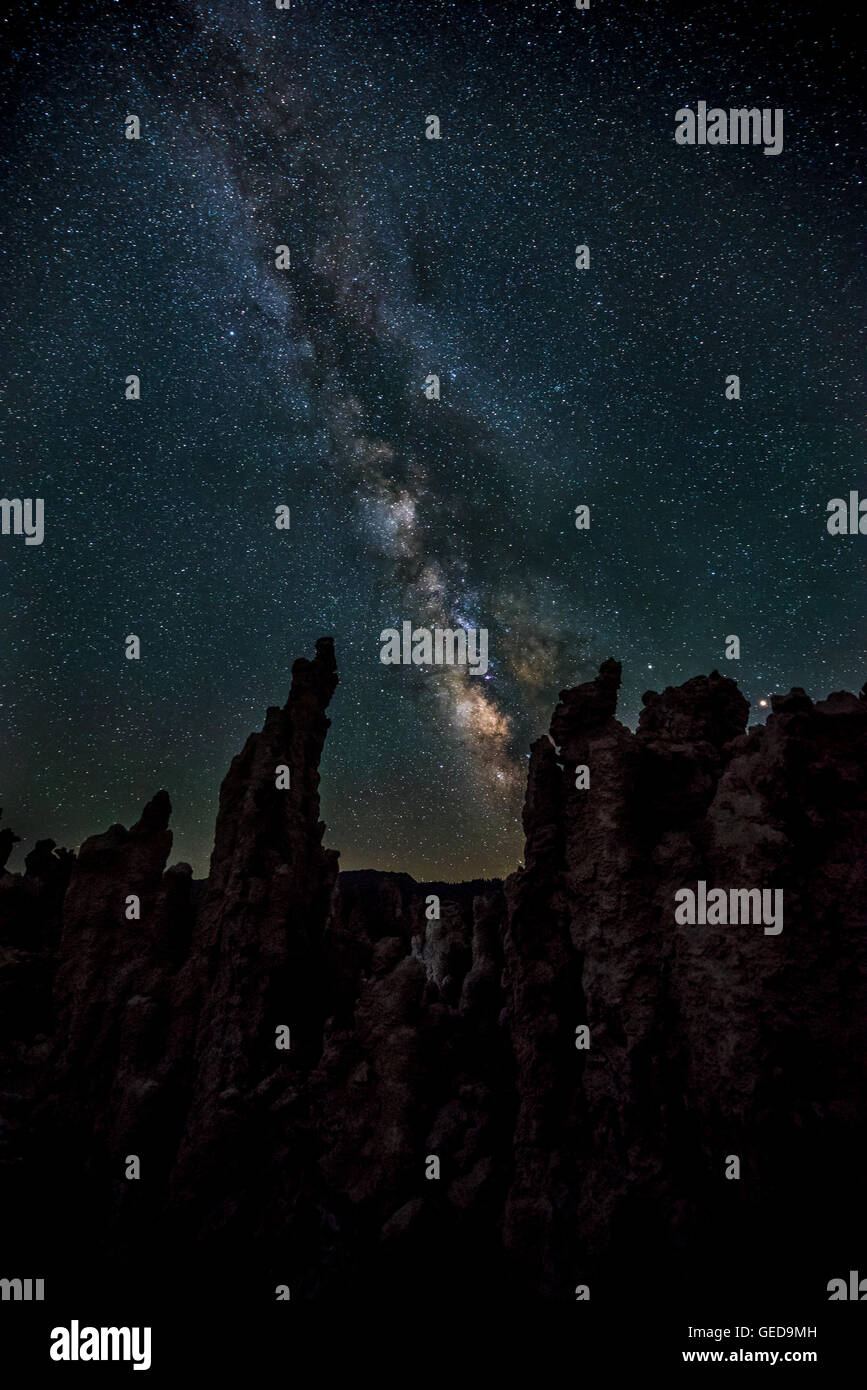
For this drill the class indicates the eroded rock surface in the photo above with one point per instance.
(418, 1035)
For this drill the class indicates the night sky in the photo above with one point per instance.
(303, 387)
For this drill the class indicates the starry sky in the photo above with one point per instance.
(303, 387)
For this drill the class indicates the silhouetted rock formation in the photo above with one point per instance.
(31, 907)
(255, 959)
(8, 840)
(415, 1035)
(706, 1041)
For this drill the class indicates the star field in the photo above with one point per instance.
(304, 387)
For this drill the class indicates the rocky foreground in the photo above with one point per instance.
(458, 1038)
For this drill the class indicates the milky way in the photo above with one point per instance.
(303, 387)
